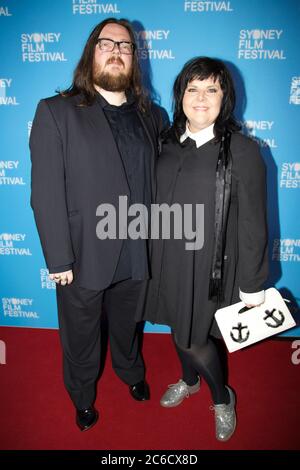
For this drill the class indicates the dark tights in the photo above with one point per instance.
(203, 361)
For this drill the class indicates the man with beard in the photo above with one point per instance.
(90, 144)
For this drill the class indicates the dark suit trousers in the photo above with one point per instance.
(79, 313)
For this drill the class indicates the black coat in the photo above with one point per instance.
(75, 167)
(177, 294)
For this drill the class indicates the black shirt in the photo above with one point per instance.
(134, 148)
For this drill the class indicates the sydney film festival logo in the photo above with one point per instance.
(202, 7)
(260, 44)
(295, 91)
(152, 44)
(4, 11)
(18, 308)
(290, 175)
(6, 94)
(286, 249)
(262, 131)
(46, 282)
(12, 244)
(94, 7)
(41, 47)
(9, 173)
(29, 127)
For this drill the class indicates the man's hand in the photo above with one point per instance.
(62, 278)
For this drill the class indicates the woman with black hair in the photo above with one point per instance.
(205, 160)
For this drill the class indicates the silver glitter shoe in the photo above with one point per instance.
(225, 418)
(176, 393)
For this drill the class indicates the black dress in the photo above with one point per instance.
(177, 294)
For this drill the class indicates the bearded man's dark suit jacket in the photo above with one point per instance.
(76, 167)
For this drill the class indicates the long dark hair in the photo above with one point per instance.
(201, 68)
(83, 82)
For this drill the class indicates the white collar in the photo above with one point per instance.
(200, 137)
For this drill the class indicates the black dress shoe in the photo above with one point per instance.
(86, 418)
(140, 391)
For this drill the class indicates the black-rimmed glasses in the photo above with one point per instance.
(108, 45)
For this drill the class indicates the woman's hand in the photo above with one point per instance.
(251, 306)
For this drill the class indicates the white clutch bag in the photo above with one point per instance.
(241, 326)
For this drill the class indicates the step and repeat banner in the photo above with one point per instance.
(41, 42)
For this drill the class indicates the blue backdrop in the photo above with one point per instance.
(40, 45)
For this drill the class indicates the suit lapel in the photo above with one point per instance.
(96, 117)
(94, 114)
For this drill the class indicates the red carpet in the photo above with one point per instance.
(36, 412)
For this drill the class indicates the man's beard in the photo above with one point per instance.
(110, 82)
